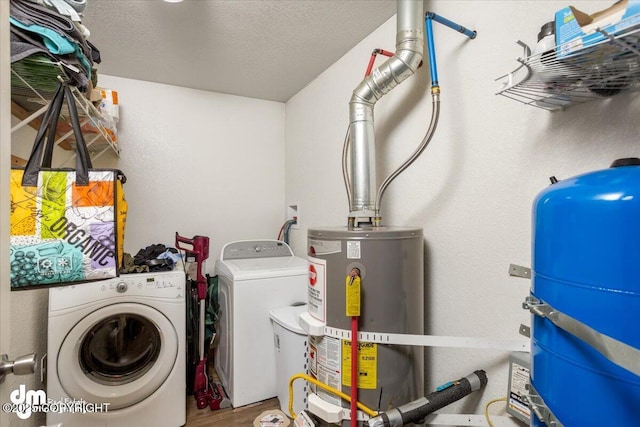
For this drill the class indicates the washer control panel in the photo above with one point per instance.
(255, 249)
(165, 285)
(139, 282)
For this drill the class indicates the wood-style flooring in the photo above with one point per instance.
(230, 417)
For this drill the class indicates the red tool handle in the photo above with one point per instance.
(199, 247)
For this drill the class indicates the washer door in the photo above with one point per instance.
(119, 354)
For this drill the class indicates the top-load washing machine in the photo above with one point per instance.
(119, 345)
(254, 277)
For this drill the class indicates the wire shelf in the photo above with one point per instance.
(33, 82)
(568, 75)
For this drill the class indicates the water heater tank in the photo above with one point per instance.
(391, 263)
(586, 264)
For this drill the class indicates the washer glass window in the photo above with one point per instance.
(120, 348)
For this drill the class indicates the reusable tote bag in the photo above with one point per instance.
(67, 225)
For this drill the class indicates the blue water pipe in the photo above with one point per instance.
(429, 17)
(435, 96)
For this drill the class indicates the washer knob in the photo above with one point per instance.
(121, 287)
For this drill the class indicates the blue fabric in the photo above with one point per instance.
(57, 44)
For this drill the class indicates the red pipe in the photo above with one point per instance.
(371, 61)
(354, 371)
(355, 313)
(373, 58)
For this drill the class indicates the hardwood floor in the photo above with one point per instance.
(230, 417)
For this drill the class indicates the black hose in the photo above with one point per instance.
(417, 410)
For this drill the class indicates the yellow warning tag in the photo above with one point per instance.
(353, 296)
(367, 364)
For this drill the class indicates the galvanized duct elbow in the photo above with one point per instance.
(408, 55)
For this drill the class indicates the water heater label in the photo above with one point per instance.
(353, 250)
(316, 289)
(367, 364)
(324, 365)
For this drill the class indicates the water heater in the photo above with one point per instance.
(367, 268)
(391, 266)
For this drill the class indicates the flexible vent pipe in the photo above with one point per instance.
(414, 412)
(405, 61)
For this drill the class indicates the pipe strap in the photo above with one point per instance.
(430, 340)
(616, 351)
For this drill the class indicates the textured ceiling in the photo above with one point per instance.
(266, 49)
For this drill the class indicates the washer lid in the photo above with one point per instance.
(255, 249)
(287, 317)
(259, 268)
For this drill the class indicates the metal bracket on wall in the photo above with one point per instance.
(519, 271)
(524, 273)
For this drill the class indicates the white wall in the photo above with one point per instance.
(472, 189)
(199, 162)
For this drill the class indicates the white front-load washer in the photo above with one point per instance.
(254, 277)
(119, 346)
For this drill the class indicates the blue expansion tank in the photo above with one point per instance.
(586, 264)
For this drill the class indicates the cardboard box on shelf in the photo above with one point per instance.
(576, 29)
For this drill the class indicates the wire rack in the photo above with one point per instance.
(33, 82)
(567, 75)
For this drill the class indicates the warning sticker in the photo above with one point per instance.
(313, 357)
(367, 364)
(324, 247)
(325, 365)
(353, 250)
(519, 383)
(353, 296)
(317, 287)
